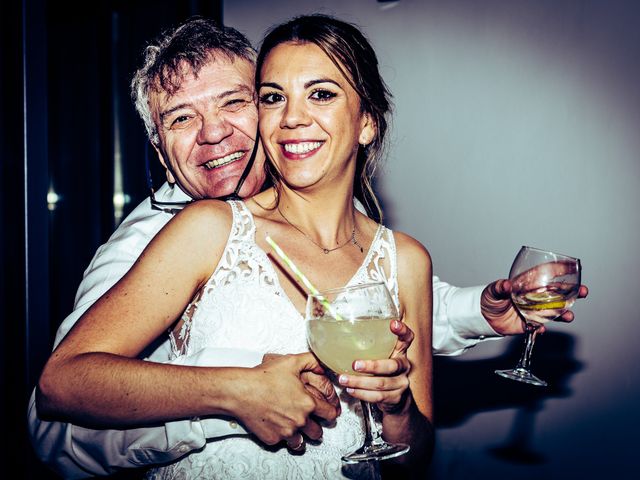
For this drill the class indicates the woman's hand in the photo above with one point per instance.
(388, 383)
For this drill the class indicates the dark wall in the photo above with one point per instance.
(12, 277)
(66, 119)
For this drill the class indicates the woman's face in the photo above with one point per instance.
(309, 116)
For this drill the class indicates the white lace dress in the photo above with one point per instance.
(243, 306)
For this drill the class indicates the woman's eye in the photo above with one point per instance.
(270, 98)
(322, 95)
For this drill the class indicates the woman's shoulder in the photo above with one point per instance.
(206, 219)
(412, 254)
(194, 239)
(206, 212)
(415, 274)
(408, 245)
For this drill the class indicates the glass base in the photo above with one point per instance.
(522, 375)
(383, 451)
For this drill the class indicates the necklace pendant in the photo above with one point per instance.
(326, 251)
(355, 242)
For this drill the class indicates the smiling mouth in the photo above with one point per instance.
(221, 162)
(301, 147)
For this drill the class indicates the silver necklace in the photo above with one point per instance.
(327, 251)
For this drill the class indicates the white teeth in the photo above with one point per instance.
(224, 160)
(299, 148)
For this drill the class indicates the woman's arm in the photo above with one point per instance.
(411, 420)
(402, 386)
(94, 370)
(94, 379)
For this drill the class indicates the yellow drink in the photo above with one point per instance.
(338, 343)
(545, 304)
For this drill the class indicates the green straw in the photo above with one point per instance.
(302, 277)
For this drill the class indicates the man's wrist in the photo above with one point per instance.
(465, 315)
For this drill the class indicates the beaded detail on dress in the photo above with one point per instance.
(243, 306)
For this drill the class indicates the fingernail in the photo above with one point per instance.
(396, 324)
(343, 379)
(358, 365)
(350, 390)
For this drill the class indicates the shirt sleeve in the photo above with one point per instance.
(458, 323)
(76, 452)
(110, 263)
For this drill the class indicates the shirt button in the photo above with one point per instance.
(481, 337)
(183, 449)
(233, 424)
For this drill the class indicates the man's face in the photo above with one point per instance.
(207, 129)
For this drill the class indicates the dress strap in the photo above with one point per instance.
(242, 229)
(243, 225)
(381, 263)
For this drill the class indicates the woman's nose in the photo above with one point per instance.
(295, 114)
(214, 129)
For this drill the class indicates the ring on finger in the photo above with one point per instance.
(297, 446)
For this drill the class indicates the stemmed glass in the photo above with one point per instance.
(348, 324)
(544, 286)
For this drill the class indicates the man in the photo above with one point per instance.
(195, 95)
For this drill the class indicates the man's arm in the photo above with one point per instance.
(77, 452)
(458, 323)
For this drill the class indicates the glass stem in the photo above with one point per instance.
(372, 430)
(525, 360)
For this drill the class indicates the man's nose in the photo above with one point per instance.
(214, 129)
(295, 114)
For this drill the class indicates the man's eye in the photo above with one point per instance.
(180, 120)
(235, 104)
(270, 98)
(322, 95)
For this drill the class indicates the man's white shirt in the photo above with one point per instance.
(77, 452)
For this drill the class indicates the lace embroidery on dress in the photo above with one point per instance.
(178, 345)
(380, 264)
(232, 267)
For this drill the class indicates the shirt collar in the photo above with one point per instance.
(171, 193)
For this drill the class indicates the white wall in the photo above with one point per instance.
(517, 122)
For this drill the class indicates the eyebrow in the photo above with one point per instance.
(221, 96)
(308, 84)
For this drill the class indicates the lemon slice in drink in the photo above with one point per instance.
(544, 301)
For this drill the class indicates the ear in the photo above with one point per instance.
(367, 130)
(167, 170)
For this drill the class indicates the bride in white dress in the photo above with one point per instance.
(322, 107)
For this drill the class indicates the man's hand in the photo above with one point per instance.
(316, 383)
(497, 308)
(321, 388)
(278, 404)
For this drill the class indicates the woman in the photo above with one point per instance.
(322, 105)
